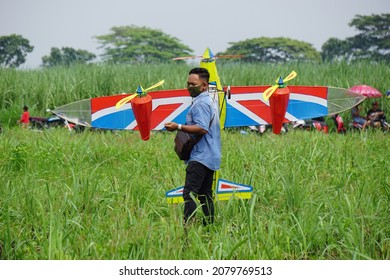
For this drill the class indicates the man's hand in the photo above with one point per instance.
(171, 126)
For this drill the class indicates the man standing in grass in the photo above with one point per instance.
(202, 120)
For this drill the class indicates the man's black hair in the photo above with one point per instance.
(203, 73)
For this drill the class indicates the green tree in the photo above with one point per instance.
(335, 50)
(132, 44)
(13, 50)
(372, 41)
(66, 57)
(281, 49)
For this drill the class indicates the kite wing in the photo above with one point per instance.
(78, 112)
(224, 190)
(246, 107)
(101, 112)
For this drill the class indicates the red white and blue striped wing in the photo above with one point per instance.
(247, 106)
(168, 105)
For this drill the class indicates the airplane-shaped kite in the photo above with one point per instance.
(239, 106)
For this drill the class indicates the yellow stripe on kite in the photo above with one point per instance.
(227, 196)
(175, 199)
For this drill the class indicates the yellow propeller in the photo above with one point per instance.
(140, 91)
(280, 83)
(123, 101)
(154, 86)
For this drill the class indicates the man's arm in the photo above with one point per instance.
(192, 129)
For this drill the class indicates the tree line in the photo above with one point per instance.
(133, 44)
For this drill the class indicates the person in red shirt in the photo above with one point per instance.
(25, 118)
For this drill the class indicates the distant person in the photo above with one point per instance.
(375, 116)
(357, 118)
(202, 119)
(339, 122)
(320, 124)
(24, 118)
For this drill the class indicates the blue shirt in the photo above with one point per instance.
(205, 114)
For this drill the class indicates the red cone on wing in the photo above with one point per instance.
(142, 110)
(141, 104)
(278, 104)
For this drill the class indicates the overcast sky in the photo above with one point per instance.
(198, 24)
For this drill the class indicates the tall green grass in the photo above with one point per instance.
(102, 196)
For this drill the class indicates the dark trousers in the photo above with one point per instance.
(199, 181)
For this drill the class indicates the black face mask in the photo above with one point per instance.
(194, 90)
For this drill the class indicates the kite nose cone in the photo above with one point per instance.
(139, 89)
(280, 82)
(208, 54)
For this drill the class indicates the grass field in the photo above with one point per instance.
(102, 195)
